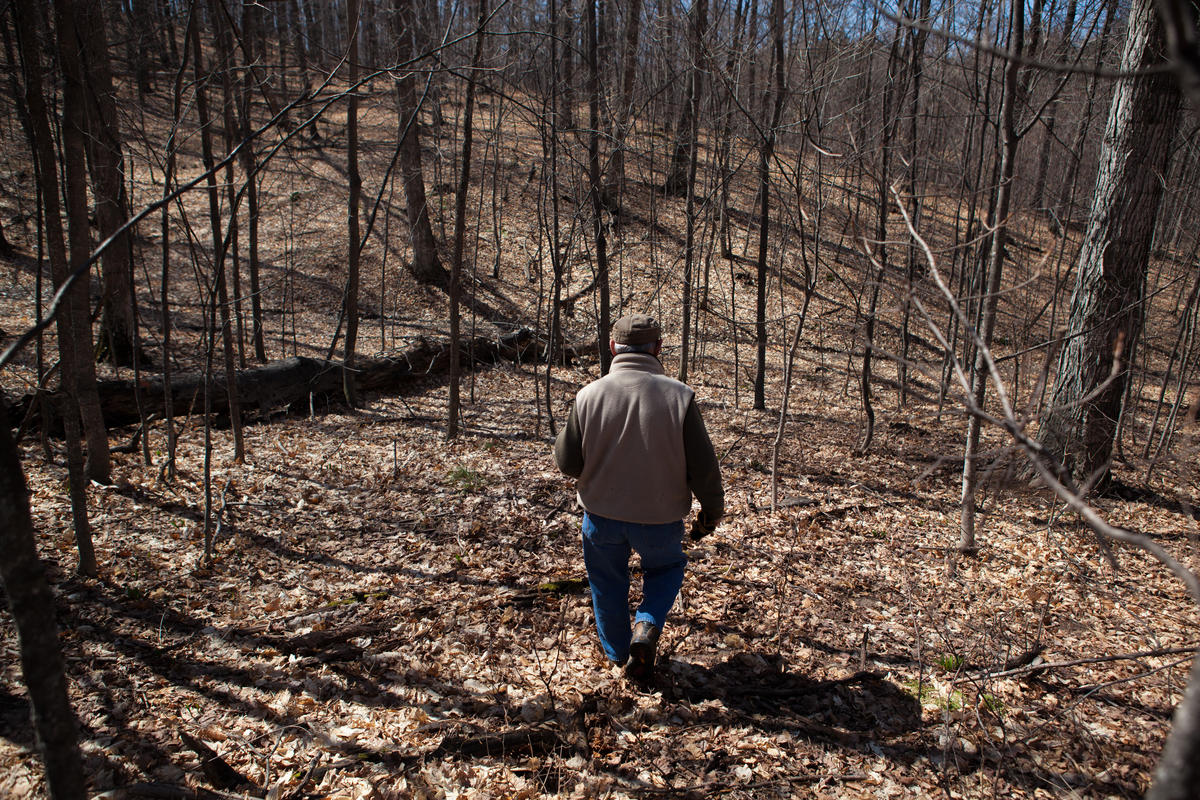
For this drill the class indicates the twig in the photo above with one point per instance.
(1166, 651)
(1098, 686)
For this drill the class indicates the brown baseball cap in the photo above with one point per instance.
(636, 329)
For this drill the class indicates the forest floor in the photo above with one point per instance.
(395, 614)
(391, 614)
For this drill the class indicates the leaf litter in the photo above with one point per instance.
(393, 615)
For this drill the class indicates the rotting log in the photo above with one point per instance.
(299, 383)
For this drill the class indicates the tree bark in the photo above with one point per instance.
(1106, 313)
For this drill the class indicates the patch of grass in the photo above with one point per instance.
(950, 662)
(993, 704)
(466, 479)
(928, 695)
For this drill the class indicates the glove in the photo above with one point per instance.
(703, 526)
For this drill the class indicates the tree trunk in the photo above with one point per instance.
(604, 321)
(686, 132)
(1106, 313)
(118, 335)
(460, 231)
(350, 298)
(219, 294)
(995, 267)
(426, 267)
(764, 219)
(614, 181)
(291, 382)
(79, 363)
(250, 27)
(32, 605)
(76, 481)
(1178, 771)
(889, 122)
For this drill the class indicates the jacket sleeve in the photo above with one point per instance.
(568, 447)
(703, 471)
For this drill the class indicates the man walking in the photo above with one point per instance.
(636, 443)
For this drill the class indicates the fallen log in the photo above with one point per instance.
(298, 383)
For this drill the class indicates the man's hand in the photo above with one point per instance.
(703, 526)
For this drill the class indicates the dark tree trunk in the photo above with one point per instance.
(1106, 313)
(219, 294)
(764, 219)
(293, 381)
(250, 28)
(687, 130)
(604, 321)
(350, 299)
(118, 335)
(79, 363)
(460, 230)
(32, 606)
(614, 182)
(426, 267)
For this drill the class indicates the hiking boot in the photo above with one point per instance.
(640, 667)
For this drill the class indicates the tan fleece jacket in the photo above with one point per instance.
(637, 444)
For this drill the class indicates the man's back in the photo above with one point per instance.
(631, 431)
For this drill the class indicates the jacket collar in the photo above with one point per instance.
(636, 362)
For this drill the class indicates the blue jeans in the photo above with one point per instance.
(607, 544)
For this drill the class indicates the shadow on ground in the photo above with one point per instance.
(864, 705)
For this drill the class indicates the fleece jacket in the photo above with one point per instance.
(638, 446)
